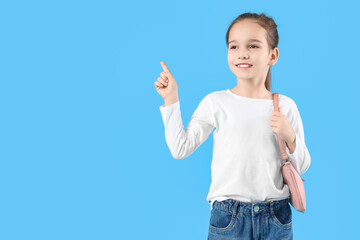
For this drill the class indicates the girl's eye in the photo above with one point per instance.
(250, 46)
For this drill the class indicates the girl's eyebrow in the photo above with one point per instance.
(250, 40)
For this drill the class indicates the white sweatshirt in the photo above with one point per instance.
(246, 155)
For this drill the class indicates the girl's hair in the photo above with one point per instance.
(272, 36)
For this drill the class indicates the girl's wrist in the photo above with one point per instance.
(170, 101)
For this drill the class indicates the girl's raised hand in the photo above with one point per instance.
(281, 125)
(166, 85)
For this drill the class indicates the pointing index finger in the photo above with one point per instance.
(166, 69)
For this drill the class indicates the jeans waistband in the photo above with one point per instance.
(236, 206)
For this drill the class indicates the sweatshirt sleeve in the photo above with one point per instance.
(183, 143)
(300, 158)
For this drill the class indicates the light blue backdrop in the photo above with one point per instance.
(82, 146)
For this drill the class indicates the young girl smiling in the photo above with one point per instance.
(248, 197)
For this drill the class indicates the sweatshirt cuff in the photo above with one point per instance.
(169, 109)
(292, 155)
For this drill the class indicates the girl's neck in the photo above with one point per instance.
(258, 94)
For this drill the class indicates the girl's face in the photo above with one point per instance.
(243, 48)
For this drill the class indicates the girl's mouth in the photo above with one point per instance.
(243, 66)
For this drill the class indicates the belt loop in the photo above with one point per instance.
(235, 207)
(272, 207)
(212, 205)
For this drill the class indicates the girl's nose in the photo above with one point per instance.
(243, 56)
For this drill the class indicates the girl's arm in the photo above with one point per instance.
(297, 151)
(291, 145)
(183, 143)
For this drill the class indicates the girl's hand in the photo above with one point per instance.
(280, 124)
(166, 85)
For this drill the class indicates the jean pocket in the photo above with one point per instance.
(282, 217)
(221, 220)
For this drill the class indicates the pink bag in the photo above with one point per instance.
(290, 175)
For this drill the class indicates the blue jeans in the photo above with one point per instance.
(232, 219)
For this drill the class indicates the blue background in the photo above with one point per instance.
(82, 145)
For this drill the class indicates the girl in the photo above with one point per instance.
(248, 197)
